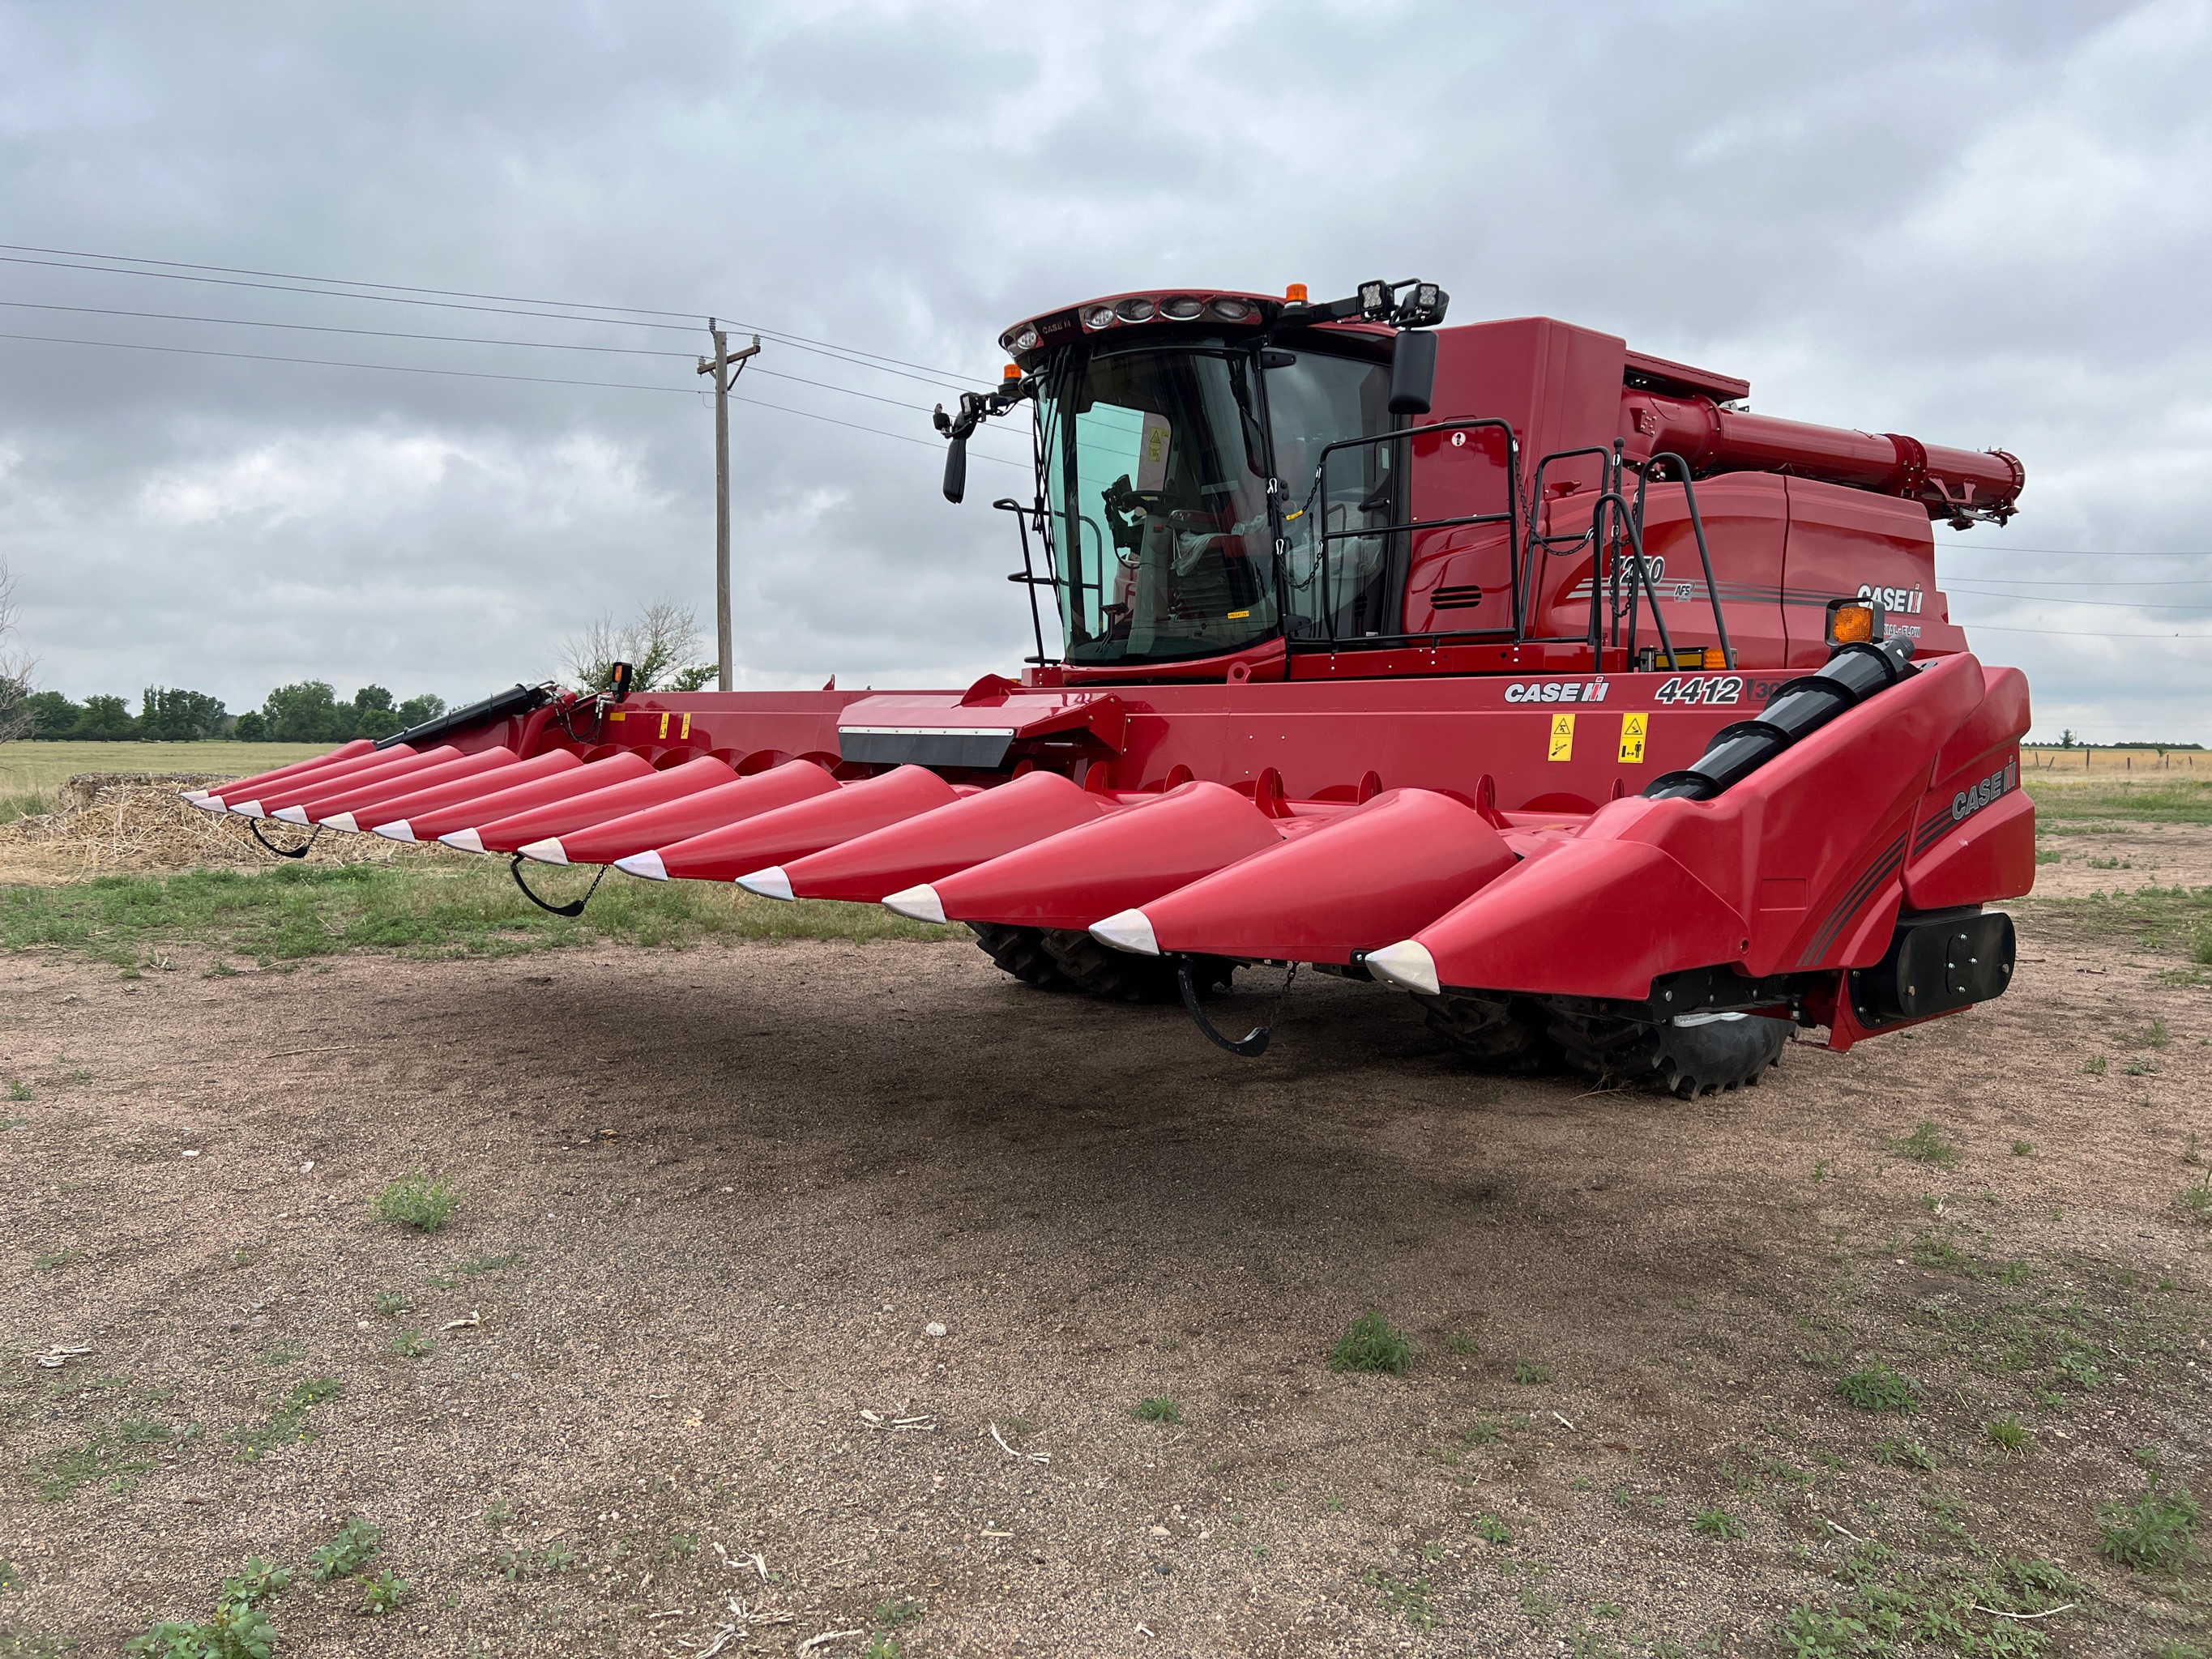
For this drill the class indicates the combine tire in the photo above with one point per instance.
(1721, 1051)
(1505, 1034)
(1020, 951)
(1118, 976)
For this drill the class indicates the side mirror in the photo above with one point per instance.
(1412, 372)
(956, 470)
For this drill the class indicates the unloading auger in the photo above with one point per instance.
(1501, 664)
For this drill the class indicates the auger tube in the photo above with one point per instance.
(1803, 706)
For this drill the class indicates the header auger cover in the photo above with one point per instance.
(1499, 663)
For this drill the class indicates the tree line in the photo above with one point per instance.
(308, 711)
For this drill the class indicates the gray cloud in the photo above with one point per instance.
(1979, 223)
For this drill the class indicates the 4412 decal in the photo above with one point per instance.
(1701, 689)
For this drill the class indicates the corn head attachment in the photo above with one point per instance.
(1498, 663)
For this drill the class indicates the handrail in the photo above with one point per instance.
(1704, 554)
(1028, 576)
(1510, 518)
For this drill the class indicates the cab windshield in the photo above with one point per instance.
(1157, 462)
(1156, 479)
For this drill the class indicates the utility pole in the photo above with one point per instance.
(724, 368)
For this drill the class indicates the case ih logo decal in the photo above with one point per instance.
(1898, 601)
(1558, 691)
(1967, 802)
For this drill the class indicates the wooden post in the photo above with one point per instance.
(722, 367)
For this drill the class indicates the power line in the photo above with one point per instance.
(482, 375)
(2065, 634)
(390, 293)
(2082, 552)
(2039, 599)
(450, 339)
(2098, 581)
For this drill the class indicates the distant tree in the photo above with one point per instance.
(415, 710)
(661, 643)
(372, 713)
(171, 714)
(16, 667)
(253, 726)
(105, 720)
(304, 712)
(53, 717)
(2066, 739)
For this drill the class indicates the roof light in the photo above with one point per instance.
(1137, 310)
(1099, 317)
(1024, 341)
(1182, 308)
(1230, 309)
(1295, 293)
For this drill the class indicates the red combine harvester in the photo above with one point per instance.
(1501, 664)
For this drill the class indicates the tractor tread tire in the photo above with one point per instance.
(1114, 975)
(1499, 1033)
(1021, 951)
(1685, 1061)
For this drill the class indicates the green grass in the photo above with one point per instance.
(1372, 1346)
(105, 1456)
(1529, 1371)
(1409, 1599)
(2072, 804)
(445, 908)
(1158, 1409)
(1876, 1387)
(2156, 1533)
(2008, 1433)
(40, 768)
(2167, 919)
(416, 1200)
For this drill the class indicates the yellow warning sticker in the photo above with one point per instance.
(664, 725)
(686, 731)
(1563, 736)
(1632, 737)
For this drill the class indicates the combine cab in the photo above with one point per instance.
(1500, 664)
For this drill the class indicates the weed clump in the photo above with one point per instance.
(1372, 1346)
(1718, 1523)
(1157, 1409)
(287, 1420)
(2157, 1533)
(1877, 1387)
(417, 1201)
(1530, 1372)
(1492, 1530)
(241, 1628)
(383, 1593)
(349, 1552)
(1925, 1145)
(2008, 1433)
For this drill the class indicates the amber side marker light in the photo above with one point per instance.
(1852, 622)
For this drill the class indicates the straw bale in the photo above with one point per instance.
(113, 822)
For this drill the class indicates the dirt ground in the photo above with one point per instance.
(681, 1386)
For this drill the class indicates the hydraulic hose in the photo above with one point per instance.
(1855, 672)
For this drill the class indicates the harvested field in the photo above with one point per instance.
(1866, 1347)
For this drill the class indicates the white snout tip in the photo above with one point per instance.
(397, 829)
(207, 803)
(917, 905)
(195, 796)
(291, 815)
(247, 809)
(548, 851)
(1406, 965)
(342, 820)
(647, 864)
(1130, 930)
(770, 882)
(467, 840)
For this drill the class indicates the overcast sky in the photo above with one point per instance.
(1982, 224)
